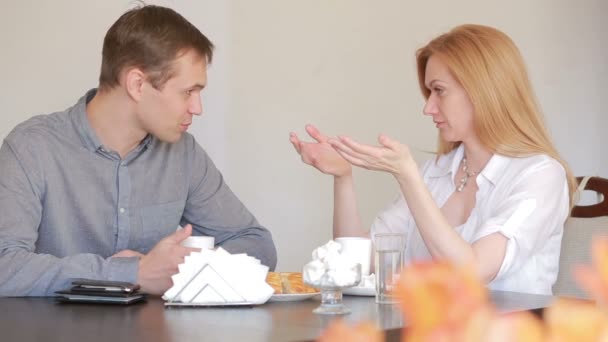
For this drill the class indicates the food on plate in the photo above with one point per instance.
(288, 283)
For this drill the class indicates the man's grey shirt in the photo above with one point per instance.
(67, 204)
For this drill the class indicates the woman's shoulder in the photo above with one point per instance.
(536, 163)
(532, 169)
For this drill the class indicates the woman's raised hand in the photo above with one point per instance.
(320, 154)
(391, 156)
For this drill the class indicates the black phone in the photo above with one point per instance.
(90, 285)
(101, 291)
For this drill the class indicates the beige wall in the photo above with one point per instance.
(345, 65)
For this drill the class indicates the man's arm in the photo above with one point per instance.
(24, 272)
(213, 209)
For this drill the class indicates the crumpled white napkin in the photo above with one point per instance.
(216, 277)
(330, 267)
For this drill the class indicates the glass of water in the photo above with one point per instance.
(389, 262)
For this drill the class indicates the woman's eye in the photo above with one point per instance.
(438, 91)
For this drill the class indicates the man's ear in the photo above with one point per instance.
(135, 80)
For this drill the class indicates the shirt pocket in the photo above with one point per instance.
(160, 220)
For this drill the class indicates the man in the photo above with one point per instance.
(98, 190)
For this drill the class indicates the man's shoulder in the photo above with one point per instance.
(39, 128)
(41, 136)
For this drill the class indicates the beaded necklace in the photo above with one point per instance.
(464, 180)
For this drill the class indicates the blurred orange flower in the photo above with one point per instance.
(575, 320)
(440, 300)
(363, 332)
(443, 302)
(594, 278)
(519, 326)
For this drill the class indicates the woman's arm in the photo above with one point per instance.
(322, 156)
(347, 221)
(442, 241)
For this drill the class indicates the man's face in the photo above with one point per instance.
(167, 113)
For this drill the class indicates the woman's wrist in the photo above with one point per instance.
(345, 178)
(407, 173)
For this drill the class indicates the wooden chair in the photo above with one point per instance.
(585, 223)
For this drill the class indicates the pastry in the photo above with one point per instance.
(288, 283)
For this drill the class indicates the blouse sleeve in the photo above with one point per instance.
(396, 217)
(532, 213)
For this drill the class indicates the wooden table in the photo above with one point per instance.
(41, 319)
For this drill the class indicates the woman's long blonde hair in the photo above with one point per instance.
(507, 118)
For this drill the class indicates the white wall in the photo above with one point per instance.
(345, 65)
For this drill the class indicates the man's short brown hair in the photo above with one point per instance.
(149, 38)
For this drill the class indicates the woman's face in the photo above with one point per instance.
(448, 103)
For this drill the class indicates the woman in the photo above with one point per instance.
(496, 195)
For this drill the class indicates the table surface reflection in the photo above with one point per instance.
(37, 319)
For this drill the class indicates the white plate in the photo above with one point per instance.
(209, 304)
(292, 297)
(359, 291)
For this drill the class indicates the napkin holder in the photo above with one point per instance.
(210, 278)
(206, 289)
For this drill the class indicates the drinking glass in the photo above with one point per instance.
(389, 262)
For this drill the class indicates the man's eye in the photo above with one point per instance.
(189, 91)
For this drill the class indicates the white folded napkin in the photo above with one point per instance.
(216, 277)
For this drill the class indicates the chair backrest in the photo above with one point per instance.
(585, 223)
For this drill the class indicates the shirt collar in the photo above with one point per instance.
(444, 165)
(78, 114)
(451, 162)
(495, 168)
(87, 135)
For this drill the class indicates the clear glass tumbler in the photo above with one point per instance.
(389, 262)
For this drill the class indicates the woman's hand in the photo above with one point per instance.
(392, 156)
(320, 154)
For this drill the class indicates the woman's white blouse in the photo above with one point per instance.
(525, 199)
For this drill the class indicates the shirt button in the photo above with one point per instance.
(122, 210)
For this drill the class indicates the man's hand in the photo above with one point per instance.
(157, 267)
